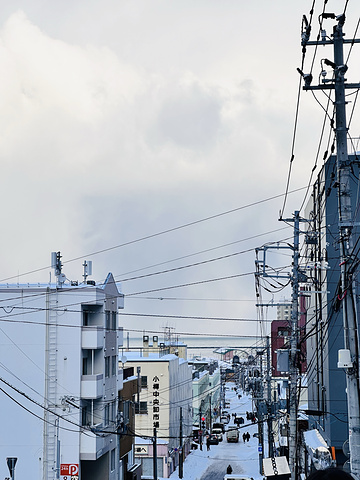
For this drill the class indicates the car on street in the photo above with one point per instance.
(224, 419)
(232, 435)
(218, 433)
(219, 425)
(213, 439)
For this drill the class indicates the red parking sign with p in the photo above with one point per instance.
(69, 470)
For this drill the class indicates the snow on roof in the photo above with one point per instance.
(148, 441)
(314, 440)
(152, 357)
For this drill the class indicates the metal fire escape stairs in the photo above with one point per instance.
(50, 444)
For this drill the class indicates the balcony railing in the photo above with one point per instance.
(92, 338)
(92, 386)
(91, 445)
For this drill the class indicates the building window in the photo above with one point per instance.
(107, 320)
(142, 408)
(85, 318)
(106, 415)
(113, 365)
(112, 460)
(283, 332)
(113, 411)
(107, 366)
(113, 320)
(144, 383)
(126, 411)
(84, 416)
(84, 366)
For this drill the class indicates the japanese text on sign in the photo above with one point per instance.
(156, 402)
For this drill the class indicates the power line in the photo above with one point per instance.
(163, 232)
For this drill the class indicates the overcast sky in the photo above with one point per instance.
(124, 119)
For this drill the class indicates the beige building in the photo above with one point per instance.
(165, 402)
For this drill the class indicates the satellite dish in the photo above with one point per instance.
(123, 359)
(61, 278)
(346, 448)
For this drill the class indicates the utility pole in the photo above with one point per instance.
(154, 455)
(268, 383)
(346, 224)
(201, 432)
(138, 371)
(259, 403)
(293, 371)
(346, 251)
(181, 453)
(210, 426)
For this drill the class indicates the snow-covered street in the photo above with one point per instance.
(243, 457)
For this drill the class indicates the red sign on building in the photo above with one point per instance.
(71, 469)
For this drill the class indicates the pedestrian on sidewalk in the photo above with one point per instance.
(229, 470)
(244, 437)
(208, 443)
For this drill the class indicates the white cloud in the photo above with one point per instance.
(122, 124)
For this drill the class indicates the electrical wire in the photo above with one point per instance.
(163, 232)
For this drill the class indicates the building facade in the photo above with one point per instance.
(129, 469)
(165, 407)
(206, 392)
(326, 382)
(60, 379)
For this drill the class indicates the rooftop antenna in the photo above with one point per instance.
(87, 269)
(57, 265)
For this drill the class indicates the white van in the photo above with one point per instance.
(232, 435)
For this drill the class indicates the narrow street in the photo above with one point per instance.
(243, 457)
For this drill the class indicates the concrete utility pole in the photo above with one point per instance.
(154, 455)
(268, 383)
(260, 399)
(293, 370)
(181, 453)
(346, 249)
(348, 294)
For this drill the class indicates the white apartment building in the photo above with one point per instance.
(59, 380)
(166, 389)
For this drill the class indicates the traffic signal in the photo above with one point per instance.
(203, 424)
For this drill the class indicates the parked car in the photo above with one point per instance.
(213, 439)
(232, 436)
(219, 425)
(224, 419)
(227, 404)
(218, 433)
